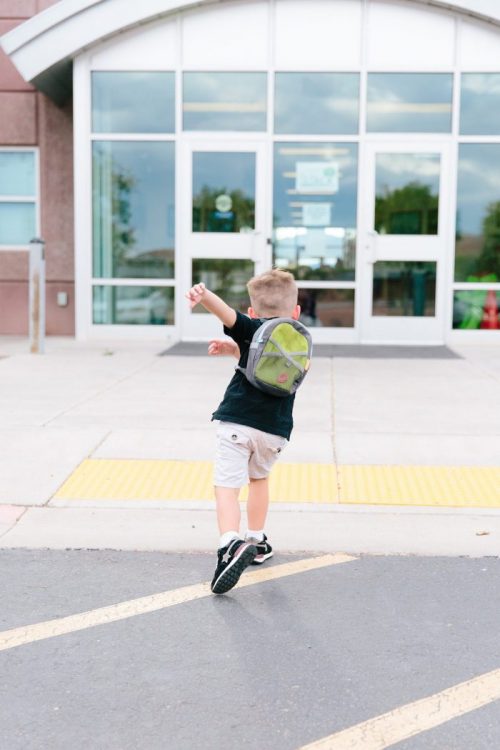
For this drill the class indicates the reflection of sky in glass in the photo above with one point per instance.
(224, 101)
(478, 184)
(313, 103)
(17, 223)
(133, 102)
(480, 104)
(224, 172)
(395, 171)
(17, 173)
(409, 102)
(145, 208)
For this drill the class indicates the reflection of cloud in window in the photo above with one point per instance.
(481, 83)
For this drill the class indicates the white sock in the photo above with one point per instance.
(227, 538)
(258, 535)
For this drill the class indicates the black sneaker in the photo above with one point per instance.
(232, 561)
(264, 551)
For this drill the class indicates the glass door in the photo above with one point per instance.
(224, 224)
(404, 242)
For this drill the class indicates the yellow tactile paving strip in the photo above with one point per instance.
(437, 486)
(115, 479)
(447, 486)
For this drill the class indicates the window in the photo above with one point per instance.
(404, 288)
(409, 102)
(407, 193)
(133, 305)
(480, 104)
(127, 102)
(477, 249)
(133, 216)
(314, 215)
(18, 197)
(225, 101)
(223, 191)
(311, 103)
(227, 278)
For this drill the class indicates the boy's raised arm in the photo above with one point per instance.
(211, 302)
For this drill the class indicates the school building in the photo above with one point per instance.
(152, 144)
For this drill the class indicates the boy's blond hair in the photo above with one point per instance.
(273, 294)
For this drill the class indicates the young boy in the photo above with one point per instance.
(254, 426)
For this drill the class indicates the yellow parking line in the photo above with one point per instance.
(414, 718)
(104, 615)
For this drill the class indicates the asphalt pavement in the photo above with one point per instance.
(276, 665)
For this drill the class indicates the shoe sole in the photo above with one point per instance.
(259, 559)
(231, 575)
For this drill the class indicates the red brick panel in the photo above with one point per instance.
(17, 118)
(17, 8)
(42, 4)
(14, 307)
(60, 321)
(14, 265)
(10, 78)
(56, 169)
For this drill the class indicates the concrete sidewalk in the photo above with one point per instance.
(121, 401)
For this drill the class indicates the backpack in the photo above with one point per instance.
(279, 356)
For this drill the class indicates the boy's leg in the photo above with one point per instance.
(234, 554)
(228, 509)
(258, 503)
(231, 473)
(266, 450)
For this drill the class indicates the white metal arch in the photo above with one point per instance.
(43, 47)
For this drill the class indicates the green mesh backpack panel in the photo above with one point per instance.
(279, 356)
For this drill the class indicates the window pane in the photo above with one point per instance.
(316, 103)
(133, 305)
(227, 278)
(133, 199)
(223, 191)
(476, 309)
(225, 101)
(477, 249)
(407, 193)
(133, 102)
(480, 104)
(17, 173)
(404, 288)
(327, 307)
(17, 223)
(314, 216)
(409, 102)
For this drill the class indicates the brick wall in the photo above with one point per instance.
(28, 118)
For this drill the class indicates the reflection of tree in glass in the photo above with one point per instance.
(206, 218)
(227, 278)
(488, 263)
(122, 184)
(412, 209)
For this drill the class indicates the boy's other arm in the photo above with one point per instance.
(213, 303)
(218, 348)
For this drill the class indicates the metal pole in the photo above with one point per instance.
(37, 296)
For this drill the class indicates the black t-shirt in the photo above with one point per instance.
(245, 404)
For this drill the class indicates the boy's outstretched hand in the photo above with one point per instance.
(196, 293)
(223, 347)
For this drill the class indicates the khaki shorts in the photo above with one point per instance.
(244, 453)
